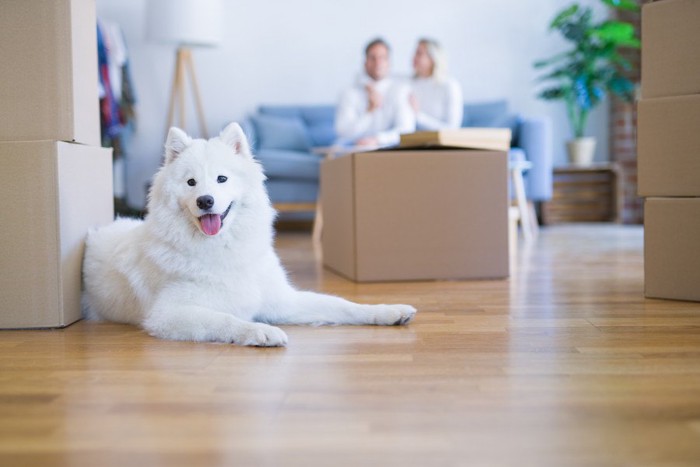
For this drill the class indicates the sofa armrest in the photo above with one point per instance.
(535, 138)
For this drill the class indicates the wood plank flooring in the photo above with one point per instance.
(565, 364)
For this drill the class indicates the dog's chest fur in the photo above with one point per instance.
(233, 269)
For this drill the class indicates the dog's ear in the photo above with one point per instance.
(176, 142)
(234, 137)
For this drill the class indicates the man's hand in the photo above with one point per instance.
(374, 99)
(367, 141)
(413, 102)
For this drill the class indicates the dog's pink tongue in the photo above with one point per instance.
(211, 223)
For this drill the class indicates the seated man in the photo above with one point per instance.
(376, 109)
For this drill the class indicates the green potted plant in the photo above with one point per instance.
(592, 67)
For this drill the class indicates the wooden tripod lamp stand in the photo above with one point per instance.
(183, 67)
(187, 24)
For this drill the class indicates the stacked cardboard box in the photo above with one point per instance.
(668, 140)
(416, 215)
(55, 182)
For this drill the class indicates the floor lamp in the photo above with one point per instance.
(184, 67)
(187, 24)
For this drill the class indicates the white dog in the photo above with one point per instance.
(202, 266)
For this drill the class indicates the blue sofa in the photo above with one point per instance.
(283, 136)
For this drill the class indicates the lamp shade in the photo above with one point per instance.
(185, 22)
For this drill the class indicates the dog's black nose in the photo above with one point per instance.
(205, 202)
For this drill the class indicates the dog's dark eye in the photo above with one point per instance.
(191, 182)
(221, 179)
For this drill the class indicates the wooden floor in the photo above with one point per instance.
(565, 364)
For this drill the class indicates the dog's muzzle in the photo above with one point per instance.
(211, 223)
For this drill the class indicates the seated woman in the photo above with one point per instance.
(436, 98)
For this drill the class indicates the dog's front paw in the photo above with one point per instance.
(394, 315)
(262, 335)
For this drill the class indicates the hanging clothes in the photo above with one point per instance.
(117, 96)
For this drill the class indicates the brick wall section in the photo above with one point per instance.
(624, 152)
(623, 134)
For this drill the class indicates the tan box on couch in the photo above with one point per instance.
(48, 77)
(672, 248)
(416, 215)
(52, 192)
(670, 44)
(668, 146)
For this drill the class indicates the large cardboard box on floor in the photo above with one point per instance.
(672, 248)
(416, 215)
(52, 192)
(670, 44)
(48, 77)
(668, 146)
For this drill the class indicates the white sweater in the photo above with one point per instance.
(439, 103)
(394, 117)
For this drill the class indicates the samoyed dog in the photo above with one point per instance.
(201, 266)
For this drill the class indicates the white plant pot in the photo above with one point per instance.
(581, 151)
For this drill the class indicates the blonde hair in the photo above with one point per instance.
(437, 55)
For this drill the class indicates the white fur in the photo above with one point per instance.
(167, 276)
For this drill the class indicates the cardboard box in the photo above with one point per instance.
(52, 193)
(668, 146)
(670, 44)
(416, 215)
(672, 248)
(48, 80)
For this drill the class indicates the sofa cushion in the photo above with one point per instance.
(485, 114)
(249, 131)
(319, 120)
(286, 111)
(315, 114)
(280, 133)
(292, 191)
(320, 123)
(491, 115)
(280, 163)
(511, 121)
(322, 134)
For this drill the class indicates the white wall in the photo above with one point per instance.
(306, 51)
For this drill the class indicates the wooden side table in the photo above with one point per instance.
(584, 194)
